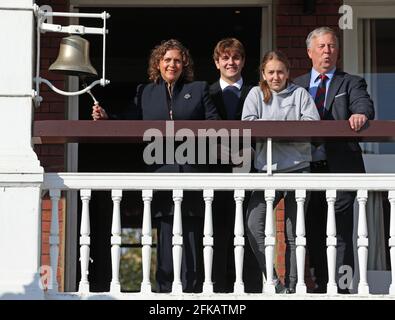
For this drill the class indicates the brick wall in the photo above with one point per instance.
(53, 106)
(292, 26)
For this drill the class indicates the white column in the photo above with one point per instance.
(146, 241)
(362, 242)
(21, 175)
(270, 242)
(177, 242)
(16, 65)
(85, 241)
(208, 241)
(54, 239)
(391, 241)
(116, 240)
(269, 157)
(239, 242)
(331, 242)
(300, 196)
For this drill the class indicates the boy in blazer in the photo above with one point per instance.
(228, 95)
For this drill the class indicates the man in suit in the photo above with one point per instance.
(228, 95)
(338, 96)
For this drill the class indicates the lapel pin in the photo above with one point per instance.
(187, 96)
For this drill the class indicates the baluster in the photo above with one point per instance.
(391, 241)
(270, 242)
(239, 241)
(362, 242)
(146, 241)
(54, 239)
(269, 160)
(177, 242)
(208, 241)
(84, 241)
(116, 240)
(331, 242)
(300, 196)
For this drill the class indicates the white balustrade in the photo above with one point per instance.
(208, 241)
(362, 242)
(209, 184)
(300, 242)
(116, 240)
(270, 242)
(54, 238)
(85, 241)
(146, 242)
(391, 241)
(239, 241)
(331, 242)
(177, 242)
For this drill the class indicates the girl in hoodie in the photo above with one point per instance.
(277, 99)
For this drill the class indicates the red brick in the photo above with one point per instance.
(56, 150)
(46, 215)
(283, 42)
(44, 107)
(290, 9)
(281, 247)
(284, 20)
(295, 20)
(308, 20)
(56, 106)
(332, 20)
(48, 116)
(292, 31)
(45, 259)
(305, 63)
(46, 226)
(280, 259)
(48, 52)
(46, 204)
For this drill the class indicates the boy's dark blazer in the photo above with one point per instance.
(216, 96)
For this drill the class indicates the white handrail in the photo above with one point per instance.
(218, 181)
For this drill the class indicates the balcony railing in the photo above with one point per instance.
(239, 183)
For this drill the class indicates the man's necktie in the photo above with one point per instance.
(320, 95)
(231, 95)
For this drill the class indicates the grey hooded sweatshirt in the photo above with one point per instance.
(292, 103)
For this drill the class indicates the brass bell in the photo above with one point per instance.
(73, 58)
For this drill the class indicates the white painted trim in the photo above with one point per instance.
(71, 217)
(368, 2)
(370, 9)
(266, 29)
(353, 38)
(226, 181)
(168, 3)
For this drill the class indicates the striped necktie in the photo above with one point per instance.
(320, 95)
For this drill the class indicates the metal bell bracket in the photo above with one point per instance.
(42, 27)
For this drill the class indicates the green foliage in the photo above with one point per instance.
(131, 273)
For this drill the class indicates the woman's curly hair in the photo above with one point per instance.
(159, 52)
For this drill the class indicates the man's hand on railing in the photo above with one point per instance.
(357, 121)
(98, 113)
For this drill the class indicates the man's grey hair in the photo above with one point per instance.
(319, 32)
